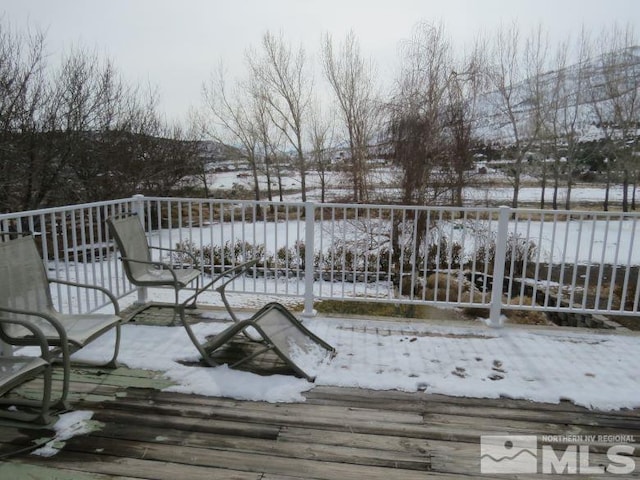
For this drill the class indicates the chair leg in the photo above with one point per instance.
(61, 403)
(44, 417)
(174, 319)
(113, 363)
(176, 308)
(192, 304)
(31, 410)
(194, 339)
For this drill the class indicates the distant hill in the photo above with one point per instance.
(217, 155)
(582, 85)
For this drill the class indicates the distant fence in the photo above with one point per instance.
(489, 259)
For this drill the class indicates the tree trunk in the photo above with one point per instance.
(625, 190)
(607, 187)
(567, 201)
(544, 186)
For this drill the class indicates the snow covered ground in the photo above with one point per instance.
(339, 187)
(589, 241)
(544, 365)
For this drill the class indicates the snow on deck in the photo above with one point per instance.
(596, 370)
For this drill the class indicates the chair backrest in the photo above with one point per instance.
(23, 279)
(129, 235)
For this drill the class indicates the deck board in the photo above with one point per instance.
(338, 433)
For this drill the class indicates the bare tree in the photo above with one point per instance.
(233, 121)
(568, 95)
(351, 79)
(321, 141)
(535, 58)
(282, 73)
(270, 137)
(22, 96)
(197, 131)
(86, 97)
(465, 85)
(417, 122)
(616, 103)
(77, 131)
(516, 75)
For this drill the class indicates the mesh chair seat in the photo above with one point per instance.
(15, 370)
(159, 277)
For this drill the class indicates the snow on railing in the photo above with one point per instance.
(552, 261)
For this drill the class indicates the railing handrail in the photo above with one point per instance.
(437, 208)
(65, 208)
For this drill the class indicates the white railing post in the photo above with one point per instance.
(495, 318)
(138, 207)
(309, 213)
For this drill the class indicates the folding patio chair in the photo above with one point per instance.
(16, 370)
(278, 330)
(25, 296)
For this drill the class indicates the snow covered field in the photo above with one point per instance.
(590, 241)
(499, 190)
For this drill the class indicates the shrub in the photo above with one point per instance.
(519, 251)
(214, 257)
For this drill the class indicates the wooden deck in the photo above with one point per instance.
(337, 433)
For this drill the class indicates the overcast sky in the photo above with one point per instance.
(176, 45)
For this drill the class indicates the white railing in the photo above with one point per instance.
(75, 245)
(570, 263)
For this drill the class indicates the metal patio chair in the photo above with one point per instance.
(25, 296)
(277, 330)
(143, 271)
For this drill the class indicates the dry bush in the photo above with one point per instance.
(476, 297)
(526, 317)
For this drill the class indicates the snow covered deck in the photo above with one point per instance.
(400, 399)
(592, 368)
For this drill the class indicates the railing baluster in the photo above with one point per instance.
(495, 319)
(602, 260)
(308, 261)
(574, 276)
(627, 273)
(614, 264)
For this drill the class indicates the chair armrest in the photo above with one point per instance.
(163, 266)
(193, 257)
(62, 333)
(235, 272)
(104, 290)
(37, 333)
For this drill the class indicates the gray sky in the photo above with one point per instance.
(176, 45)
